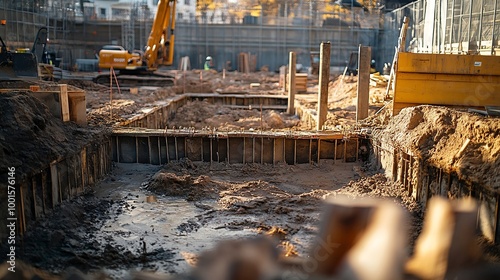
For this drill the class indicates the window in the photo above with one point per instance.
(103, 12)
(155, 2)
(186, 2)
(179, 16)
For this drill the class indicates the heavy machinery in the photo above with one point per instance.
(22, 63)
(138, 68)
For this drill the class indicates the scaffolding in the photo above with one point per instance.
(446, 26)
(223, 31)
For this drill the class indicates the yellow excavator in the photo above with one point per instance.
(139, 67)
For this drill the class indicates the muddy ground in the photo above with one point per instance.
(147, 218)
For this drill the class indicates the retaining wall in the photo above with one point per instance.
(40, 193)
(422, 181)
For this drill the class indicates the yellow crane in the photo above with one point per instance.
(139, 67)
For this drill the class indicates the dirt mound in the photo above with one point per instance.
(191, 187)
(124, 104)
(201, 114)
(378, 186)
(30, 137)
(460, 142)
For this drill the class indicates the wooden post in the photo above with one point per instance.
(385, 232)
(63, 98)
(116, 81)
(111, 94)
(324, 77)
(364, 58)
(336, 236)
(292, 65)
(444, 248)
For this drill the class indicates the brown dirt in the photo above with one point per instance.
(342, 96)
(437, 135)
(31, 138)
(201, 114)
(258, 194)
(379, 186)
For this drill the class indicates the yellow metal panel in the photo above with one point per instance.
(448, 64)
(443, 89)
(397, 107)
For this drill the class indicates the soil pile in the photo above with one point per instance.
(460, 142)
(31, 137)
(342, 93)
(102, 111)
(201, 114)
(190, 187)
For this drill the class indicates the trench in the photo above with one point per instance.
(136, 148)
(420, 179)
(146, 139)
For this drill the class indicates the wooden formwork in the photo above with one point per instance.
(423, 181)
(40, 192)
(154, 146)
(300, 80)
(64, 103)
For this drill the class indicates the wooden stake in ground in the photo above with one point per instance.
(292, 66)
(63, 96)
(447, 243)
(116, 81)
(261, 117)
(111, 94)
(324, 77)
(364, 58)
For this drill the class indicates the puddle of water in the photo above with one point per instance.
(140, 221)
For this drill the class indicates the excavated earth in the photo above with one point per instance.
(439, 136)
(151, 218)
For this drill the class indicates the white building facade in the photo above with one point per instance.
(140, 9)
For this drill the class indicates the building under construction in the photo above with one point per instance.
(250, 139)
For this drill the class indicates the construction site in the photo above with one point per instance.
(250, 139)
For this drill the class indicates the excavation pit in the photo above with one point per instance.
(218, 183)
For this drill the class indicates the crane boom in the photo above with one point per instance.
(161, 41)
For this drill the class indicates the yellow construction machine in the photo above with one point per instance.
(139, 67)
